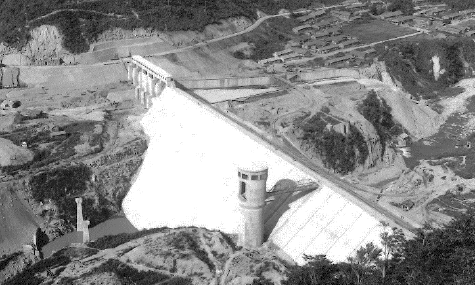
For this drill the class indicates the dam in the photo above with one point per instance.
(189, 178)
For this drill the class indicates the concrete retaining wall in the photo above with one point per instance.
(328, 73)
(227, 82)
(71, 77)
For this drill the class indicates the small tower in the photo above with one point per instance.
(79, 217)
(252, 193)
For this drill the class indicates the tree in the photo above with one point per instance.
(365, 261)
(392, 248)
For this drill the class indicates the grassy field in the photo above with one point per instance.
(370, 31)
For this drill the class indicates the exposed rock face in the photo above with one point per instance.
(46, 42)
(199, 255)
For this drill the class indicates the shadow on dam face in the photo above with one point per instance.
(284, 193)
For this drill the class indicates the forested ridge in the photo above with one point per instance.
(80, 27)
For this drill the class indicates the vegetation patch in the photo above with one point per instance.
(410, 63)
(81, 22)
(378, 113)
(340, 152)
(61, 185)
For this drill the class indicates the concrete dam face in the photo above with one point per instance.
(189, 177)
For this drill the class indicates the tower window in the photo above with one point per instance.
(242, 189)
(245, 176)
(263, 177)
(239, 174)
(254, 177)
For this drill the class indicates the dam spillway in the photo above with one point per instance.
(189, 178)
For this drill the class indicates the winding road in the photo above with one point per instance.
(76, 10)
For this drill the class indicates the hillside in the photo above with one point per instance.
(60, 144)
(170, 256)
(427, 68)
(82, 21)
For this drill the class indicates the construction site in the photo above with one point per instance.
(291, 90)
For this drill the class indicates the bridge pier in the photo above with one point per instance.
(149, 80)
(137, 93)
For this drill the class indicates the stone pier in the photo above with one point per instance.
(149, 80)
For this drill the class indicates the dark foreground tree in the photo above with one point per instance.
(434, 257)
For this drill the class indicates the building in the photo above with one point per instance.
(337, 39)
(388, 15)
(269, 60)
(301, 29)
(342, 15)
(334, 31)
(346, 58)
(327, 49)
(322, 25)
(314, 44)
(305, 18)
(402, 20)
(311, 16)
(422, 22)
(452, 16)
(320, 35)
(451, 30)
(290, 57)
(282, 52)
(300, 51)
(348, 43)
